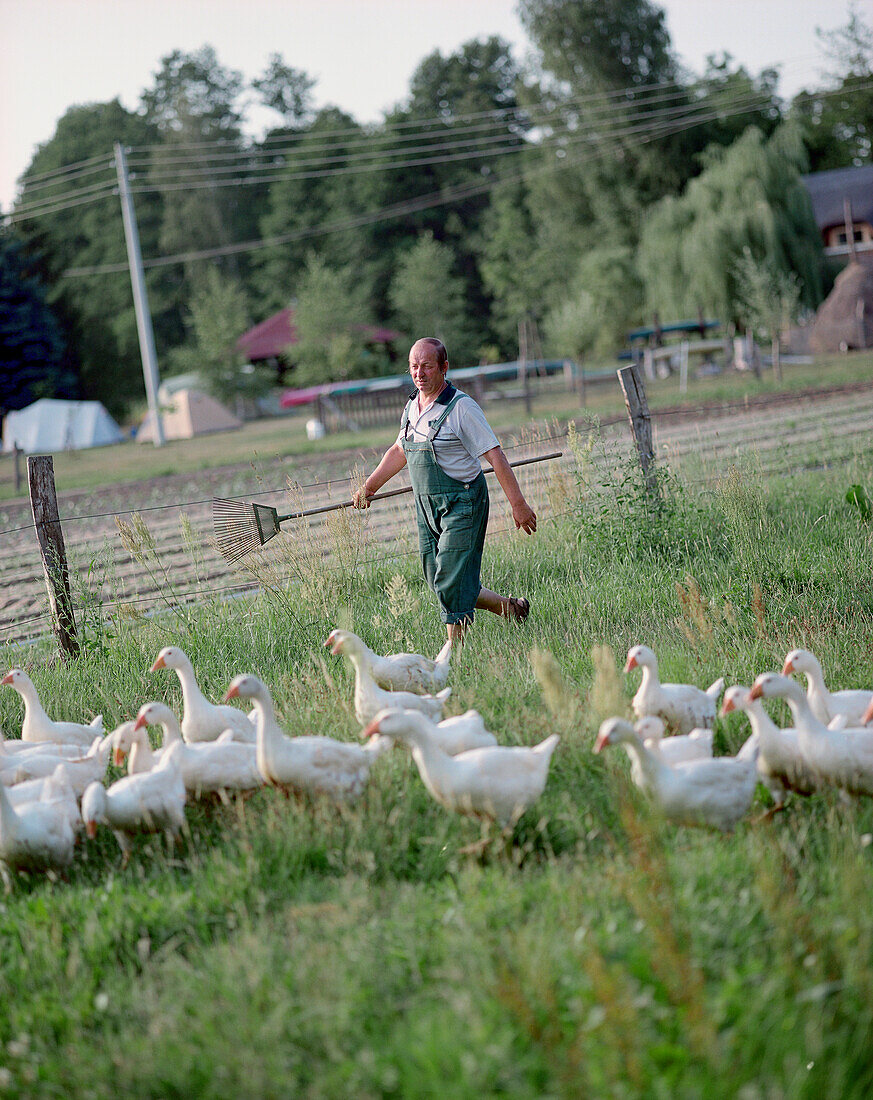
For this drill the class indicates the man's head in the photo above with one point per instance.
(428, 363)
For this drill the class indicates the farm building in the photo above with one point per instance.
(833, 194)
(50, 425)
(271, 342)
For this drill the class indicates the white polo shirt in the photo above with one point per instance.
(464, 437)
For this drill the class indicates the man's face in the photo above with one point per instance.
(426, 372)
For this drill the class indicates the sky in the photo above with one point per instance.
(58, 53)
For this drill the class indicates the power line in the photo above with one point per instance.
(425, 202)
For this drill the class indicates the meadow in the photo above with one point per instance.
(288, 948)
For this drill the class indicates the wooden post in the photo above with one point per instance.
(850, 230)
(641, 424)
(683, 367)
(19, 451)
(776, 352)
(44, 503)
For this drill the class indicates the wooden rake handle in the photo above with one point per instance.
(400, 492)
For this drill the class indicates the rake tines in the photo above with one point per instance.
(236, 528)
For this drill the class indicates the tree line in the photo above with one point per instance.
(585, 190)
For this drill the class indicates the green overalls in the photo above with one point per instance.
(452, 517)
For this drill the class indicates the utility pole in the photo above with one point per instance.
(140, 295)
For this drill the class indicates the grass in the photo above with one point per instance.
(287, 948)
(263, 444)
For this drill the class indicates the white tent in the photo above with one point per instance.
(49, 425)
(188, 413)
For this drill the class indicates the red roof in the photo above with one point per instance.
(271, 338)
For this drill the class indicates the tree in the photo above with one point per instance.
(218, 315)
(749, 197)
(838, 128)
(331, 319)
(96, 312)
(428, 299)
(605, 299)
(32, 358)
(599, 45)
(287, 91)
(193, 106)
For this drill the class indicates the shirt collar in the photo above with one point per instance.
(448, 392)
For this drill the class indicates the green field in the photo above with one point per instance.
(289, 949)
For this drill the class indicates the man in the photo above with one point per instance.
(443, 435)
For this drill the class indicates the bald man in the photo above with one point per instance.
(443, 436)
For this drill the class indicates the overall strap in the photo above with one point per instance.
(404, 419)
(438, 422)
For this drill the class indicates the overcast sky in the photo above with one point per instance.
(57, 53)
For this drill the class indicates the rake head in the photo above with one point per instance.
(241, 526)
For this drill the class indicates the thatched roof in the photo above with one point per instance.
(828, 191)
(845, 318)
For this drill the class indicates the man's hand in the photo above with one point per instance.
(361, 499)
(525, 517)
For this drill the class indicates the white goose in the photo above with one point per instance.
(10, 747)
(781, 766)
(455, 735)
(696, 745)
(37, 725)
(34, 837)
(202, 720)
(150, 802)
(842, 757)
(680, 706)
(713, 792)
(54, 789)
(317, 765)
(80, 771)
(370, 698)
(222, 765)
(492, 784)
(400, 671)
(827, 705)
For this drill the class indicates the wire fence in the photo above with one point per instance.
(177, 562)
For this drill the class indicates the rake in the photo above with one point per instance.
(243, 526)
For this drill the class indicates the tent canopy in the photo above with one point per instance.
(50, 425)
(188, 413)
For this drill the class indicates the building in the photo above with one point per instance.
(271, 343)
(835, 194)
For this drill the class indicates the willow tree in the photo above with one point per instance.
(750, 198)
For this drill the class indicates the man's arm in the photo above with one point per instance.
(524, 516)
(392, 463)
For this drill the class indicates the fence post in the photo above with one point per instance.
(44, 504)
(19, 451)
(641, 424)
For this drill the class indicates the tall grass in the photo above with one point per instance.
(286, 947)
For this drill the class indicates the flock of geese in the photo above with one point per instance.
(828, 745)
(53, 778)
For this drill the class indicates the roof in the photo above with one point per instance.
(828, 190)
(272, 337)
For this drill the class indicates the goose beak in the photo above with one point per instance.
(91, 829)
(140, 722)
(329, 639)
(7, 679)
(727, 706)
(601, 742)
(118, 757)
(787, 668)
(159, 663)
(756, 692)
(631, 664)
(868, 714)
(371, 729)
(232, 693)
